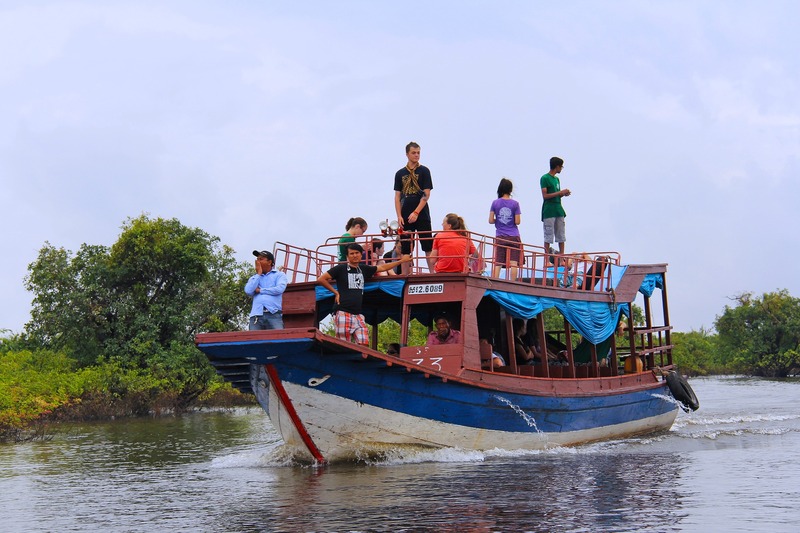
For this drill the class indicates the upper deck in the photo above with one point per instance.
(585, 275)
(592, 291)
(535, 265)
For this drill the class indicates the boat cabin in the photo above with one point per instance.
(572, 312)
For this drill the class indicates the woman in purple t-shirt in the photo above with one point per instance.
(505, 215)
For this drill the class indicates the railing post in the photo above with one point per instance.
(512, 343)
(664, 306)
(648, 315)
(542, 344)
(568, 342)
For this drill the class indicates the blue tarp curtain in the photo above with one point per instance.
(393, 287)
(596, 321)
(650, 282)
(616, 274)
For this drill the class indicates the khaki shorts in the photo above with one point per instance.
(555, 229)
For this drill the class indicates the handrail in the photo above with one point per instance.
(575, 272)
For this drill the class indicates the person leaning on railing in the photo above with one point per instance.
(348, 294)
(452, 246)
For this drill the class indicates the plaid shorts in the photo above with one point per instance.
(348, 324)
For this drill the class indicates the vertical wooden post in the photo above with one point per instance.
(612, 359)
(668, 335)
(374, 337)
(648, 315)
(631, 336)
(404, 324)
(512, 352)
(570, 358)
(542, 344)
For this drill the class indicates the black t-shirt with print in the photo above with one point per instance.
(410, 202)
(350, 284)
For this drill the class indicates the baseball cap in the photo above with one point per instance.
(264, 253)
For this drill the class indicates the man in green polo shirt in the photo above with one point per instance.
(553, 213)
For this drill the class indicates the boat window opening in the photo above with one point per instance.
(568, 353)
(488, 319)
(388, 333)
(564, 349)
(651, 342)
(426, 314)
(418, 339)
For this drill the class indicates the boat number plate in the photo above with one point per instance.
(426, 288)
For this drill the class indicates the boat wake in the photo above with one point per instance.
(401, 456)
(713, 428)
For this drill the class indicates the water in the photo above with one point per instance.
(732, 466)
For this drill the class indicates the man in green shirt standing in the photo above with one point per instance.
(553, 213)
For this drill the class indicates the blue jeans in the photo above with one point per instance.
(266, 321)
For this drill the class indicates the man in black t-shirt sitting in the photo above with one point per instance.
(349, 292)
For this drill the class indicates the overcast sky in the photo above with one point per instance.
(261, 121)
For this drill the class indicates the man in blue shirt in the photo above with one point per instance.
(266, 289)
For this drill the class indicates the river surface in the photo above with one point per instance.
(734, 465)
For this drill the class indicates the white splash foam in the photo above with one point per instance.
(525, 416)
(409, 455)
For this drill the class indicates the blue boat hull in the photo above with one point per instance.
(332, 403)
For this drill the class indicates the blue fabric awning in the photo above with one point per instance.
(392, 287)
(650, 282)
(596, 321)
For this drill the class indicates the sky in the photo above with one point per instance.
(265, 121)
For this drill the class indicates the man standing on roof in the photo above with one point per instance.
(349, 292)
(266, 288)
(553, 213)
(412, 191)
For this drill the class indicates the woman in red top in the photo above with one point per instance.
(452, 246)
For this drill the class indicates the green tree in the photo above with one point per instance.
(72, 300)
(695, 353)
(139, 302)
(389, 332)
(761, 335)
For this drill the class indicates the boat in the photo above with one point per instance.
(333, 400)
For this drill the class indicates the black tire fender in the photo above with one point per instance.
(682, 392)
